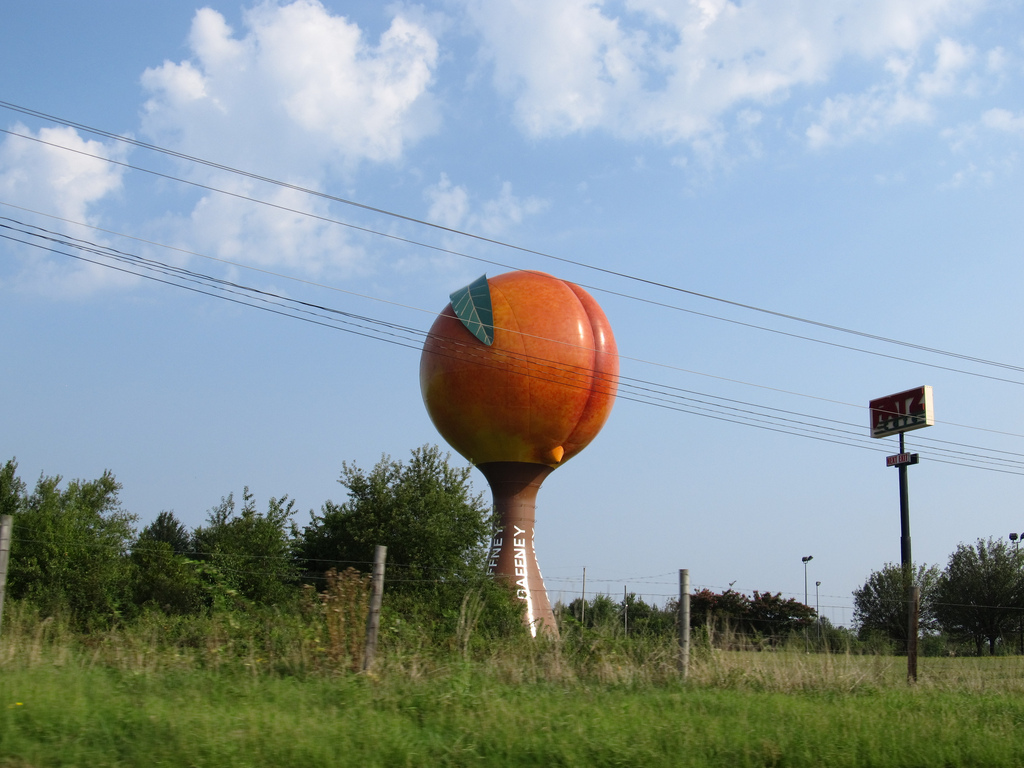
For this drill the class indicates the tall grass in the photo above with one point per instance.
(276, 688)
(324, 638)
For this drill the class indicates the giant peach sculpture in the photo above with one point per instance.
(519, 374)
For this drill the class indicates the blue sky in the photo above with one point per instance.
(692, 163)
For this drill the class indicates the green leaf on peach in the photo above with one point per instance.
(472, 305)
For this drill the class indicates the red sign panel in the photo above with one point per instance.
(902, 412)
(899, 459)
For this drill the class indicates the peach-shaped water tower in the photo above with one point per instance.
(519, 374)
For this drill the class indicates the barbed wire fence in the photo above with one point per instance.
(658, 592)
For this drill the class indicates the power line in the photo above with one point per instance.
(409, 241)
(649, 394)
(431, 312)
(500, 243)
(449, 251)
(698, 407)
(637, 390)
(638, 396)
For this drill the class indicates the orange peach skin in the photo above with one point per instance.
(541, 392)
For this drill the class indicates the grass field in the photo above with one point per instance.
(233, 699)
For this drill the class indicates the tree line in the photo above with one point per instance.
(726, 620)
(76, 552)
(975, 603)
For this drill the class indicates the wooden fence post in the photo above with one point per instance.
(913, 612)
(583, 599)
(6, 524)
(684, 622)
(376, 596)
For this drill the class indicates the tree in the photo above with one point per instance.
(646, 619)
(773, 617)
(253, 553)
(712, 608)
(437, 532)
(165, 576)
(980, 593)
(167, 528)
(601, 612)
(764, 614)
(12, 489)
(70, 548)
(880, 605)
(424, 512)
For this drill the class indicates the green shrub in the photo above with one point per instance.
(69, 547)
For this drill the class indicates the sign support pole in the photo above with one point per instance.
(890, 415)
(907, 561)
(905, 557)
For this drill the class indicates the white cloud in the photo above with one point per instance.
(901, 99)
(301, 96)
(449, 204)
(991, 141)
(997, 60)
(497, 216)
(180, 85)
(568, 66)
(995, 128)
(1003, 120)
(670, 69)
(61, 172)
(951, 59)
(275, 237)
(453, 206)
(972, 174)
(848, 117)
(64, 175)
(300, 90)
(450, 207)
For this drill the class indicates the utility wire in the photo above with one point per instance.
(633, 580)
(658, 389)
(644, 394)
(637, 390)
(650, 396)
(492, 241)
(431, 312)
(408, 241)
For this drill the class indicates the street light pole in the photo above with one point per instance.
(817, 609)
(806, 560)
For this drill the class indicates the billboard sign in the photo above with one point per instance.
(902, 412)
